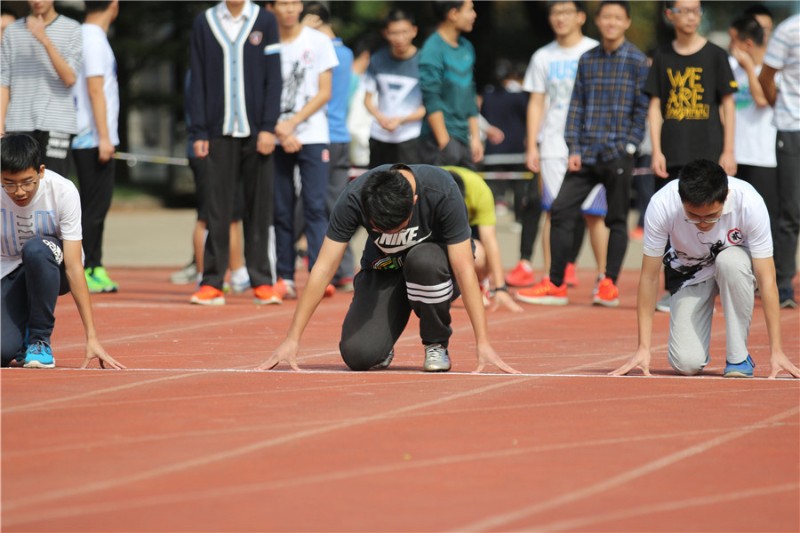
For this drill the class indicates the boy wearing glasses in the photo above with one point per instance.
(41, 257)
(719, 243)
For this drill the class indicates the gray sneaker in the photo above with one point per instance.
(385, 363)
(662, 305)
(184, 276)
(436, 358)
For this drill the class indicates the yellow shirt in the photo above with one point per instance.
(478, 197)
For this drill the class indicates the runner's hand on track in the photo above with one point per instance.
(640, 359)
(287, 351)
(95, 350)
(487, 355)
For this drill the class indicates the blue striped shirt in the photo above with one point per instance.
(608, 108)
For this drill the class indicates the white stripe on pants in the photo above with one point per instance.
(692, 308)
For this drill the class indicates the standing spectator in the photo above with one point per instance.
(307, 62)
(605, 125)
(692, 111)
(451, 133)
(235, 92)
(393, 76)
(6, 17)
(549, 80)
(97, 104)
(764, 17)
(783, 55)
(755, 134)
(41, 257)
(359, 121)
(316, 15)
(41, 58)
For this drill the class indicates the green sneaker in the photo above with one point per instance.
(103, 281)
(94, 286)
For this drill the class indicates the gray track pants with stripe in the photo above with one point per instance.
(383, 301)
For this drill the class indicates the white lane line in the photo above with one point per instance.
(502, 520)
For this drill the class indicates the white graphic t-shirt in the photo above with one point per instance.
(692, 253)
(302, 61)
(55, 211)
(552, 71)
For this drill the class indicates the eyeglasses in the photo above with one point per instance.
(705, 220)
(685, 11)
(27, 186)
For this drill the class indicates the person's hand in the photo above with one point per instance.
(201, 149)
(36, 26)
(291, 144)
(389, 123)
(476, 147)
(95, 350)
(287, 351)
(265, 142)
(504, 299)
(487, 355)
(743, 58)
(284, 129)
(574, 163)
(778, 361)
(495, 135)
(728, 163)
(532, 160)
(640, 359)
(105, 150)
(659, 165)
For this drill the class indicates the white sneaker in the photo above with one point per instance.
(240, 280)
(662, 305)
(436, 358)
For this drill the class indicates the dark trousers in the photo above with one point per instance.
(455, 153)
(788, 152)
(527, 211)
(381, 153)
(232, 163)
(383, 301)
(340, 170)
(765, 181)
(56, 147)
(616, 177)
(96, 182)
(312, 161)
(29, 295)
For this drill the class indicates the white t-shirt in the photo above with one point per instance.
(98, 60)
(552, 71)
(783, 53)
(754, 141)
(302, 61)
(744, 222)
(55, 211)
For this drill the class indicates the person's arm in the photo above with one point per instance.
(463, 265)
(330, 255)
(659, 162)
(273, 85)
(73, 265)
(475, 144)
(37, 26)
(764, 270)
(97, 97)
(727, 160)
(488, 237)
(5, 97)
(285, 128)
(645, 309)
(748, 65)
(767, 81)
(534, 124)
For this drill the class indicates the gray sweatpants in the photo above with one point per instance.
(692, 307)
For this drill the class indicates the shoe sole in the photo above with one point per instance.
(736, 374)
(605, 303)
(437, 368)
(662, 308)
(543, 300)
(211, 302)
(39, 364)
(275, 300)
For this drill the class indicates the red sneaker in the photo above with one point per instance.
(208, 295)
(285, 289)
(606, 294)
(330, 290)
(266, 295)
(570, 276)
(544, 293)
(521, 276)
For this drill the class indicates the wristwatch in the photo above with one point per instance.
(630, 148)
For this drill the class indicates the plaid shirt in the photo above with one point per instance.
(608, 108)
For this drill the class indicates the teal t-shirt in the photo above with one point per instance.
(448, 84)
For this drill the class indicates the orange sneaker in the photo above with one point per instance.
(208, 295)
(285, 289)
(330, 290)
(570, 275)
(266, 295)
(521, 276)
(606, 293)
(544, 293)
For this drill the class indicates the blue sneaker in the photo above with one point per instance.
(740, 370)
(39, 355)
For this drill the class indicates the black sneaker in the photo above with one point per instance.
(385, 363)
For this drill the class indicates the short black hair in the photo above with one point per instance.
(442, 7)
(758, 9)
(96, 6)
(19, 151)
(579, 5)
(624, 3)
(747, 27)
(318, 9)
(398, 14)
(702, 182)
(387, 198)
(669, 4)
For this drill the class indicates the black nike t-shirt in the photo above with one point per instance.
(439, 216)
